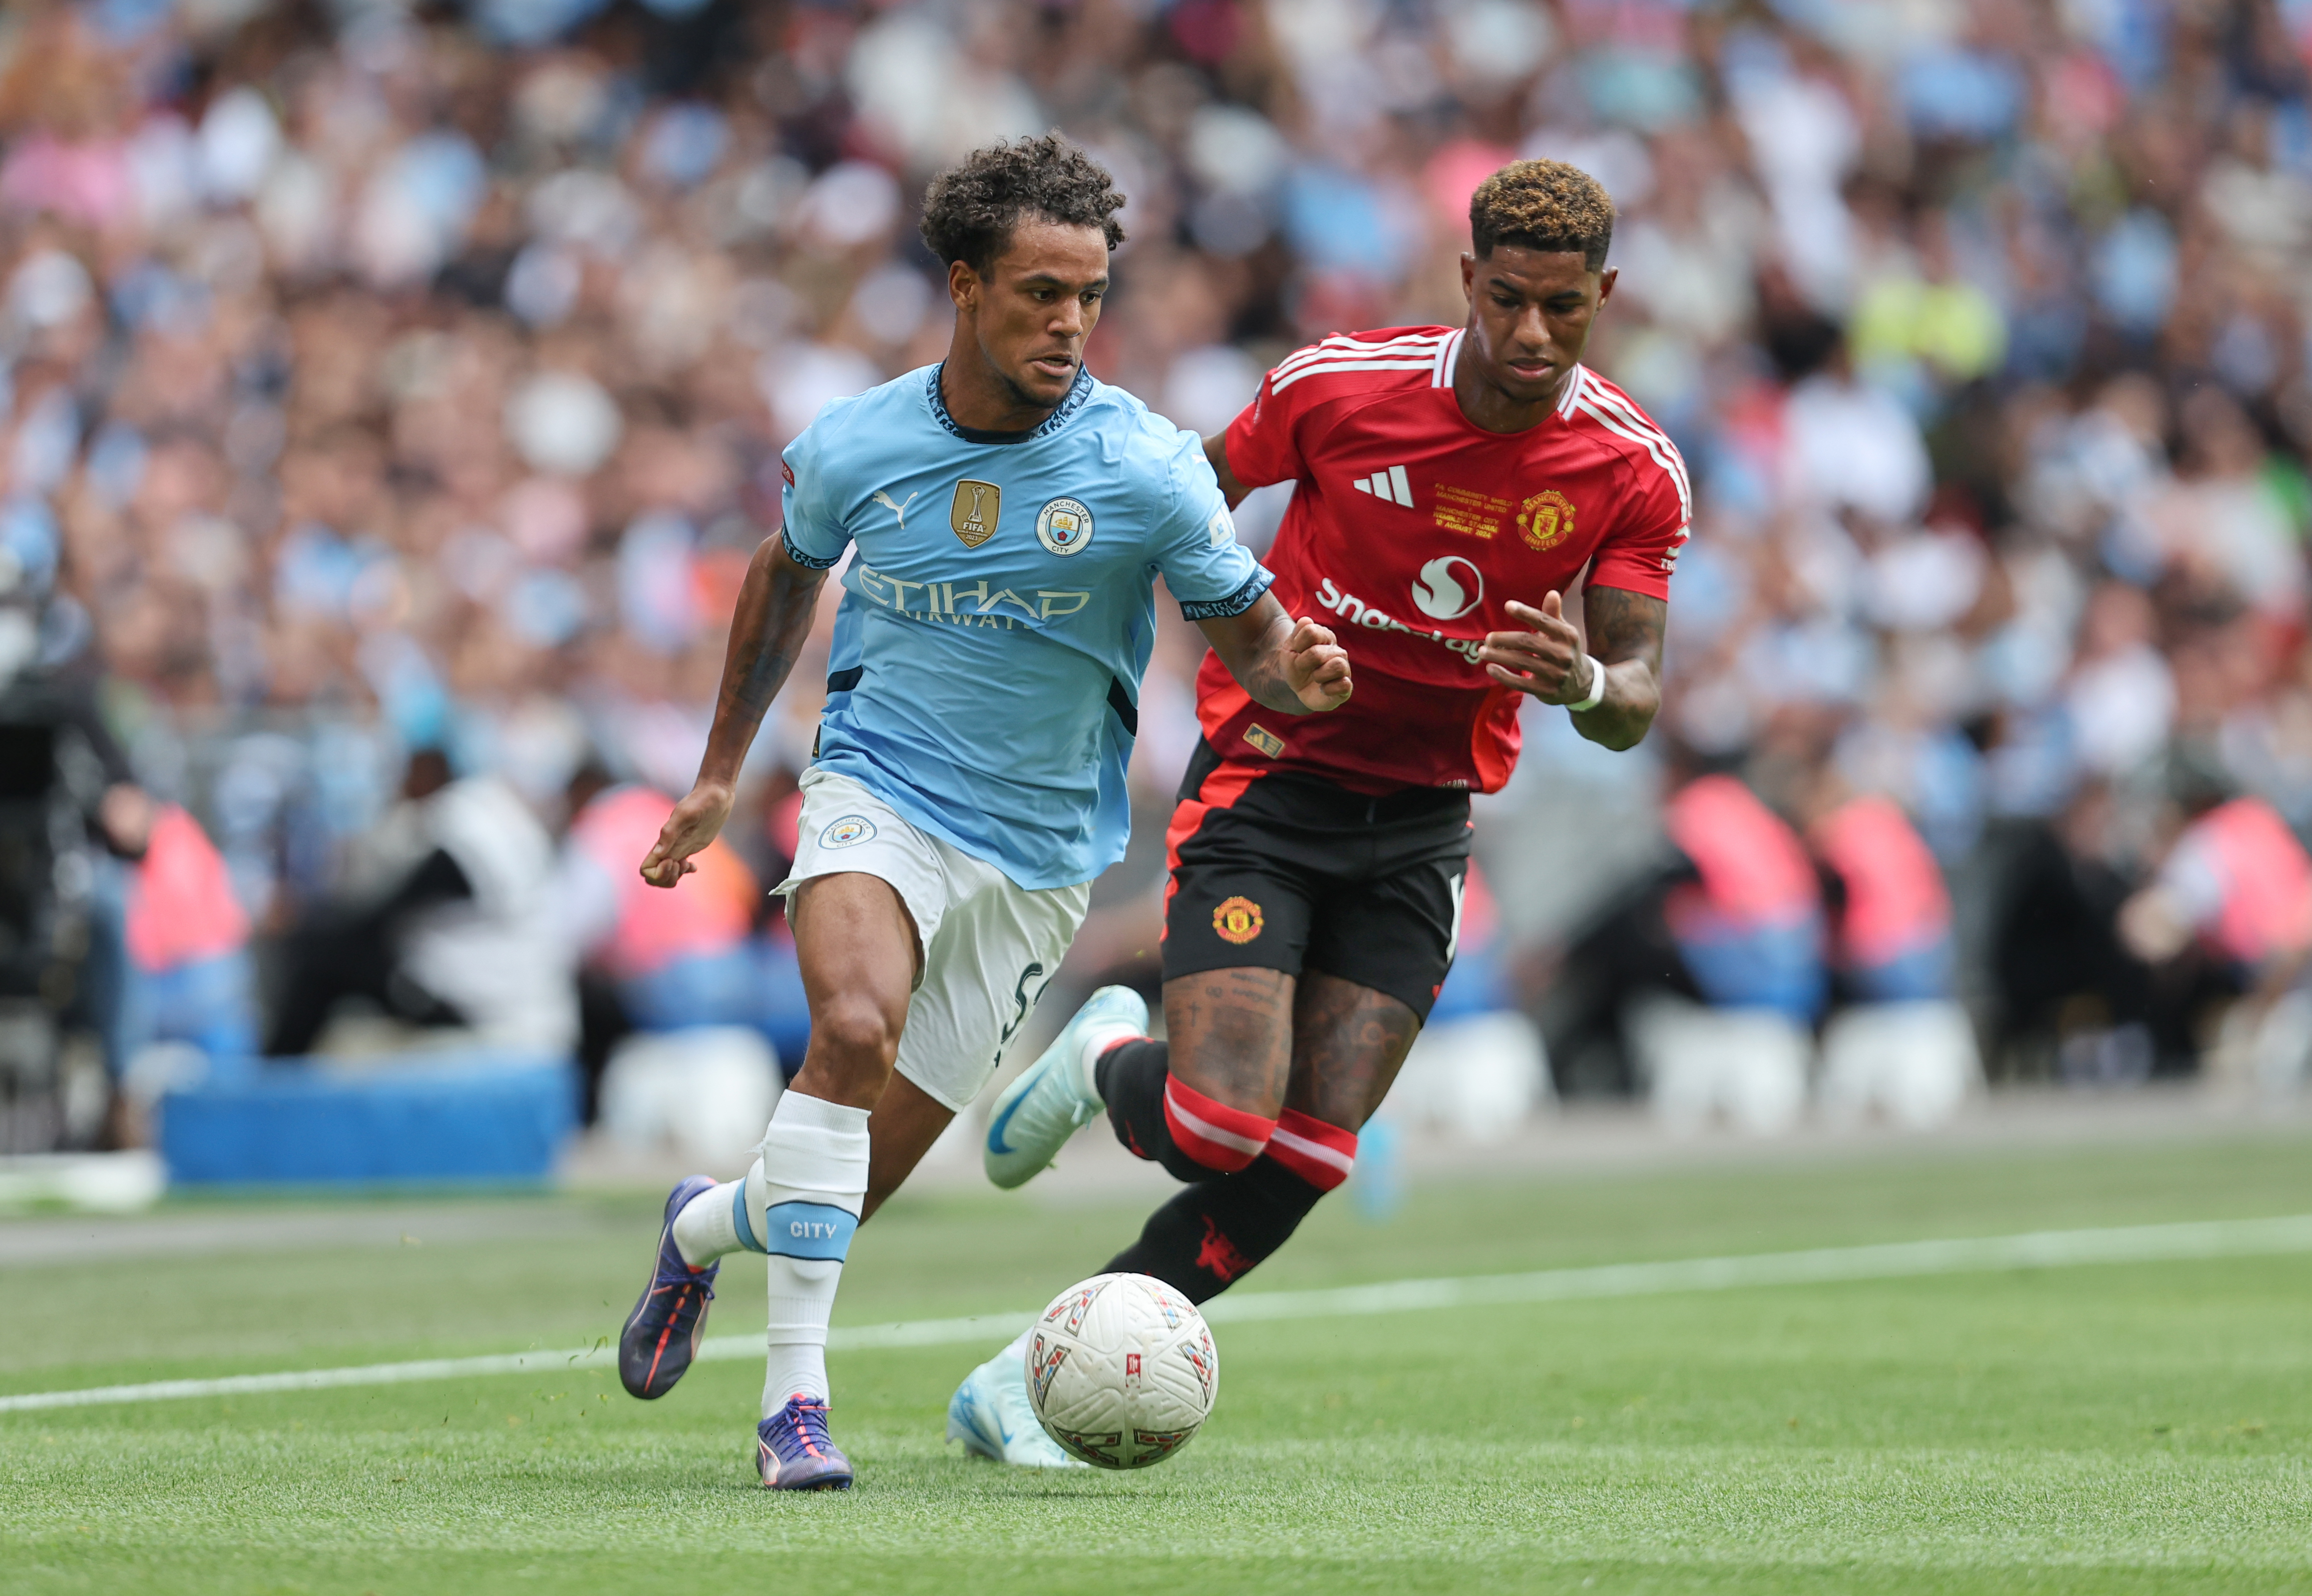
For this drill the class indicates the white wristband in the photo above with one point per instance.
(1597, 686)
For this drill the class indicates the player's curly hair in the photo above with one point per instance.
(1542, 205)
(971, 209)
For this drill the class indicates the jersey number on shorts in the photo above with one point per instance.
(1020, 996)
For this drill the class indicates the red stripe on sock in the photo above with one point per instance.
(1321, 1154)
(1214, 1135)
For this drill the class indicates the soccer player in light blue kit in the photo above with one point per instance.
(1006, 517)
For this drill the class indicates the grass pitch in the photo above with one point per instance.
(2099, 1429)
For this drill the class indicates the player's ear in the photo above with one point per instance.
(962, 283)
(1605, 281)
(1469, 276)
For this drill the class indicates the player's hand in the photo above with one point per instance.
(1316, 667)
(1546, 661)
(695, 821)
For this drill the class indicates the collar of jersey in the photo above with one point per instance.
(1079, 391)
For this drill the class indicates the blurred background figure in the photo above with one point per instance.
(379, 377)
(2228, 914)
(655, 961)
(463, 934)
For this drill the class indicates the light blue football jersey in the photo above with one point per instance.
(999, 608)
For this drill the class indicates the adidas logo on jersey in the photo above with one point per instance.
(1390, 484)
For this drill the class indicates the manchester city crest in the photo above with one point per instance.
(1064, 526)
(843, 832)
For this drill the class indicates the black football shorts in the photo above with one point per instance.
(1280, 869)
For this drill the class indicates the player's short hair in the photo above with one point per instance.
(1542, 205)
(971, 209)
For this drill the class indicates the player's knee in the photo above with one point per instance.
(1321, 1154)
(1209, 1133)
(856, 1033)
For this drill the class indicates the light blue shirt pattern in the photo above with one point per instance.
(999, 608)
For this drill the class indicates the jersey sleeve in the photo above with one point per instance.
(814, 534)
(1209, 572)
(1262, 442)
(1640, 550)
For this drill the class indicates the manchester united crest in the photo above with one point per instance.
(1236, 920)
(1546, 519)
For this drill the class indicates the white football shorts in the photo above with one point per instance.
(990, 946)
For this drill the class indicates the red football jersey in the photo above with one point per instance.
(1410, 530)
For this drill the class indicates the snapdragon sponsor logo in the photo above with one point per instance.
(1357, 612)
(968, 604)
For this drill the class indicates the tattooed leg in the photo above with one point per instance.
(1202, 1102)
(1348, 1043)
(1345, 1045)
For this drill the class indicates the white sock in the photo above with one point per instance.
(802, 1202)
(1097, 1041)
(708, 1225)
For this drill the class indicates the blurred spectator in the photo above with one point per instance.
(1890, 914)
(190, 977)
(464, 936)
(1749, 924)
(654, 960)
(2228, 911)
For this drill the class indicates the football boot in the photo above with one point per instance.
(991, 1415)
(1054, 1096)
(661, 1334)
(792, 1451)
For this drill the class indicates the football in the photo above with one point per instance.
(1122, 1371)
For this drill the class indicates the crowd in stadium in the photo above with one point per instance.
(390, 398)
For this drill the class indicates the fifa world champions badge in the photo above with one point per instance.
(973, 512)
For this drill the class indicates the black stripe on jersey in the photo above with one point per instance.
(1126, 710)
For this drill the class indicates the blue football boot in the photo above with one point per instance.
(1035, 1115)
(661, 1334)
(990, 1415)
(792, 1451)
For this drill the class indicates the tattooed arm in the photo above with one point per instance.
(1293, 667)
(1548, 660)
(775, 606)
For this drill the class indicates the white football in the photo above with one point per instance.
(1122, 1371)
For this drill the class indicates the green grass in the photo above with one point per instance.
(2106, 1429)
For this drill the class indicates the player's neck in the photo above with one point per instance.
(978, 398)
(1486, 406)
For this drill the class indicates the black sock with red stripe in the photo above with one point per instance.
(1215, 1232)
(1168, 1122)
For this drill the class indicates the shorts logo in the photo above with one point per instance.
(1268, 741)
(843, 832)
(974, 511)
(1064, 526)
(1546, 519)
(1236, 920)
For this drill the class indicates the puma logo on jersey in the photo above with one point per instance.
(899, 510)
(1390, 484)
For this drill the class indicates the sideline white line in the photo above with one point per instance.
(2038, 1249)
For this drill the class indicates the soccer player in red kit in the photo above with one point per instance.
(1452, 487)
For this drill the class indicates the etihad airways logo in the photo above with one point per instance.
(966, 604)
